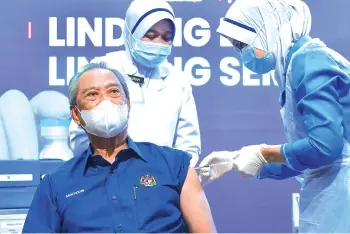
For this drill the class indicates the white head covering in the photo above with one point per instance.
(140, 17)
(269, 25)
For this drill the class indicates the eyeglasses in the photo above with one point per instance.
(239, 46)
(236, 44)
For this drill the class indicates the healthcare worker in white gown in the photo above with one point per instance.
(163, 109)
(314, 84)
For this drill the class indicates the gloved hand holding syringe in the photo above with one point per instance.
(215, 166)
(206, 171)
(248, 162)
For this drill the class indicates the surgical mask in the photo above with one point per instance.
(258, 65)
(148, 54)
(106, 120)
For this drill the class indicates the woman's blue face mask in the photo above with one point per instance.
(147, 53)
(258, 65)
(150, 54)
(261, 65)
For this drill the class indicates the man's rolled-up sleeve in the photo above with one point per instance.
(43, 216)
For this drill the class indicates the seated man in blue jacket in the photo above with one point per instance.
(117, 185)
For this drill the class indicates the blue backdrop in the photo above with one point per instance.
(42, 43)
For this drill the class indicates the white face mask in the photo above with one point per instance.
(106, 120)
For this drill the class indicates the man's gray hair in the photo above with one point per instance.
(73, 84)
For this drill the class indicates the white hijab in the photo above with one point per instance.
(140, 17)
(269, 25)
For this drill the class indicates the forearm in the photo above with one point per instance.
(276, 168)
(272, 153)
(310, 153)
(304, 153)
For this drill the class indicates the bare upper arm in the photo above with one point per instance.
(194, 205)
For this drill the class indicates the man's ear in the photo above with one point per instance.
(76, 115)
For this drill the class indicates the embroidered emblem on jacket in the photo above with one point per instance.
(148, 180)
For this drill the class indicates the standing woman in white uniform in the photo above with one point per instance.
(163, 109)
(314, 83)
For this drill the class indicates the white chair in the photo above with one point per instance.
(295, 212)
